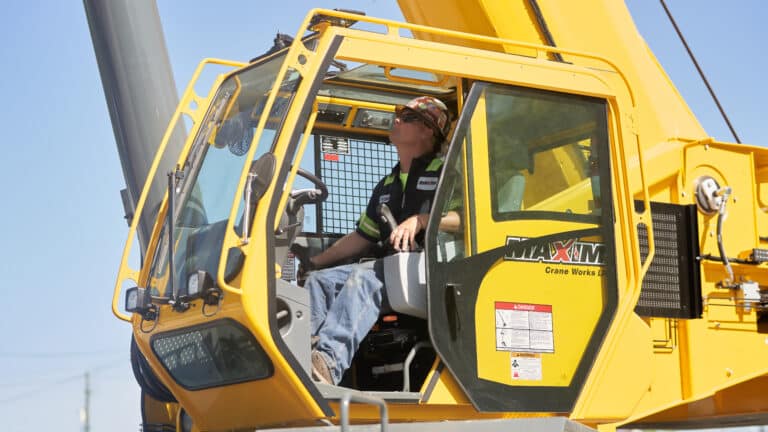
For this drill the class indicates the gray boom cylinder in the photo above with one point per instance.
(141, 95)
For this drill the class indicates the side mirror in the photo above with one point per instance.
(259, 176)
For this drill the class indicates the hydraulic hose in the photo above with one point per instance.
(725, 193)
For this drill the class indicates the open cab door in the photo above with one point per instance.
(521, 297)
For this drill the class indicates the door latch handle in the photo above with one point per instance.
(452, 297)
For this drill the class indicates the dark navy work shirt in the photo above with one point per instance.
(414, 199)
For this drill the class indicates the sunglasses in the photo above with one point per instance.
(409, 117)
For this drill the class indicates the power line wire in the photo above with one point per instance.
(37, 378)
(701, 72)
(52, 354)
(65, 380)
(39, 389)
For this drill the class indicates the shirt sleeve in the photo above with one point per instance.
(367, 225)
(455, 200)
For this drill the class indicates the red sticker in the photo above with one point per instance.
(331, 157)
(523, 307)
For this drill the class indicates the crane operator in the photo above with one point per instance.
(346, 300)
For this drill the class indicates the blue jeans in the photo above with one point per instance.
(345, 303)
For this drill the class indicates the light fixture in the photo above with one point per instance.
(334, 20)
(137, 300)
(200, 284)
(374, 119)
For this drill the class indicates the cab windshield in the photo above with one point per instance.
(209, 179)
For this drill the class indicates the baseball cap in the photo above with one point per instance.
(432, 110)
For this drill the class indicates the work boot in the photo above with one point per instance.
(320, 371)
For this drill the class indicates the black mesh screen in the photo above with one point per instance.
(672, 286)
(350, 168)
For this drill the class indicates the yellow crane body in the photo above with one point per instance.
(610, 267)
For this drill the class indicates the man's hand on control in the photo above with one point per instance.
(306, 265)
(403, 237)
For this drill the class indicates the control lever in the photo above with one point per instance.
(385, 214)
(305, 264)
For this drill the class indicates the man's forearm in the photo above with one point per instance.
(346, 247)
(450, 222)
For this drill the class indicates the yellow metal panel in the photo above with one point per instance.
(155, 412)
(744, 400)
(229, 406)
(446, 391)
(711, 352)
(621, 386)
(665, 379)
(496, 18)
(403, 412)
(576, 303)
(475, 64)
(729, 169)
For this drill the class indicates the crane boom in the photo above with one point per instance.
(602, 27)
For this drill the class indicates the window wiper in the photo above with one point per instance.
(196, 153)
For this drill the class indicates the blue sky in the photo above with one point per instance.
(62, 226)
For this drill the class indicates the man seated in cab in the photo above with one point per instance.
(346, 300)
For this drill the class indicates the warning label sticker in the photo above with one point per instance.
(334, 145)
(526, 367)
(523, 327)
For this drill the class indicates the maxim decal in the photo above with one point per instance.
(556, 252)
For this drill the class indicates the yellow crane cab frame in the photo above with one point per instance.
(526, 303)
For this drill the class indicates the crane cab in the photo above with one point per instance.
(285, 150)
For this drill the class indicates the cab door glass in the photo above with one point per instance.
(542, 154)
(451, 242)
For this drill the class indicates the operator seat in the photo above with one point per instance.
(401, 331)
(511, 179)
